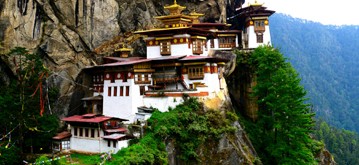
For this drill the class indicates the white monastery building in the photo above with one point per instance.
(178, 64)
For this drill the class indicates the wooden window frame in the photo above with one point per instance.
(92, 133)
(211, 43)
(165, 47)
(87, 132)
(109, 91)
(127, 90)
(142, 90)
(75, 131)
(114, 91)
(81, 132)
(114, 143)
(259, 25)
(121, 90)
(195, 72)
(197, 46)
(259, 37)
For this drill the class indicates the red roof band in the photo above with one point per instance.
(89, 118)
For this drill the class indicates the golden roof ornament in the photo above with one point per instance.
(175, 9)
(195, 16)
(255, 3)
(124, 48)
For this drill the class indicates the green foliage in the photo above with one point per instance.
(327, 60)
(20, 106)
(178, 126)
(86, 159)
(8, 155)
(343, 144)
(44, 160)
(281, 134)
(149, 150)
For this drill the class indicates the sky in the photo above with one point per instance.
(328, 12)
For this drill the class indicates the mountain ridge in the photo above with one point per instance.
(323, 56)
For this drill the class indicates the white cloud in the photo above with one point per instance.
(323, 11)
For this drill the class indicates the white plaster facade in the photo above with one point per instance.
(96, 144)
(124, 107)
(252, 37)
(162, 103)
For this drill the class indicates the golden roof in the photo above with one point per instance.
(195, 14)
(175, 8)
(123, 49)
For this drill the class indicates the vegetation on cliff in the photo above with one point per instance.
(328, 62)
(187, 127)
(281, 134)
(25, 126)
(343, 144)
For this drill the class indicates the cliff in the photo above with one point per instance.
(67, 34)
(72, 34)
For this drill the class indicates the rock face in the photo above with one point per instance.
(66, 33)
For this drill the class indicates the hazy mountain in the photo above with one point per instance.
(328, 62)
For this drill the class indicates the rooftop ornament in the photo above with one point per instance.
(195, 16)
(175, 9)
(255, 3)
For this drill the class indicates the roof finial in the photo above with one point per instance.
(255, 3)
(175, 2)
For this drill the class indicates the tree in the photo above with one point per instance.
(25, 125)
(284, 120)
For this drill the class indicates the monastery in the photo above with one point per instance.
(178, 64)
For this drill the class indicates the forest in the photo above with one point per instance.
(327, 63)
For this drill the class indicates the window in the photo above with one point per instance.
(109, 91)
(127, 90)
(81, 133)
(259, 38)
(227, 42)
(195, 72)
(93, 133)
(86, 132)
(142, 79)
(142, 90)
(65, 145)
(139, 77)
(114, 143)
(114, 91)
(75, 131)
(197, 46)
(212, 43)
(259, 25)
(109, 143)
(165, 47)
(121, 90)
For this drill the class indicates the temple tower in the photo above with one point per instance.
(254, 24)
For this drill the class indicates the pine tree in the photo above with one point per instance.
(284, 119)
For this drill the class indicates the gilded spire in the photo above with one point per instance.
(175, 8)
